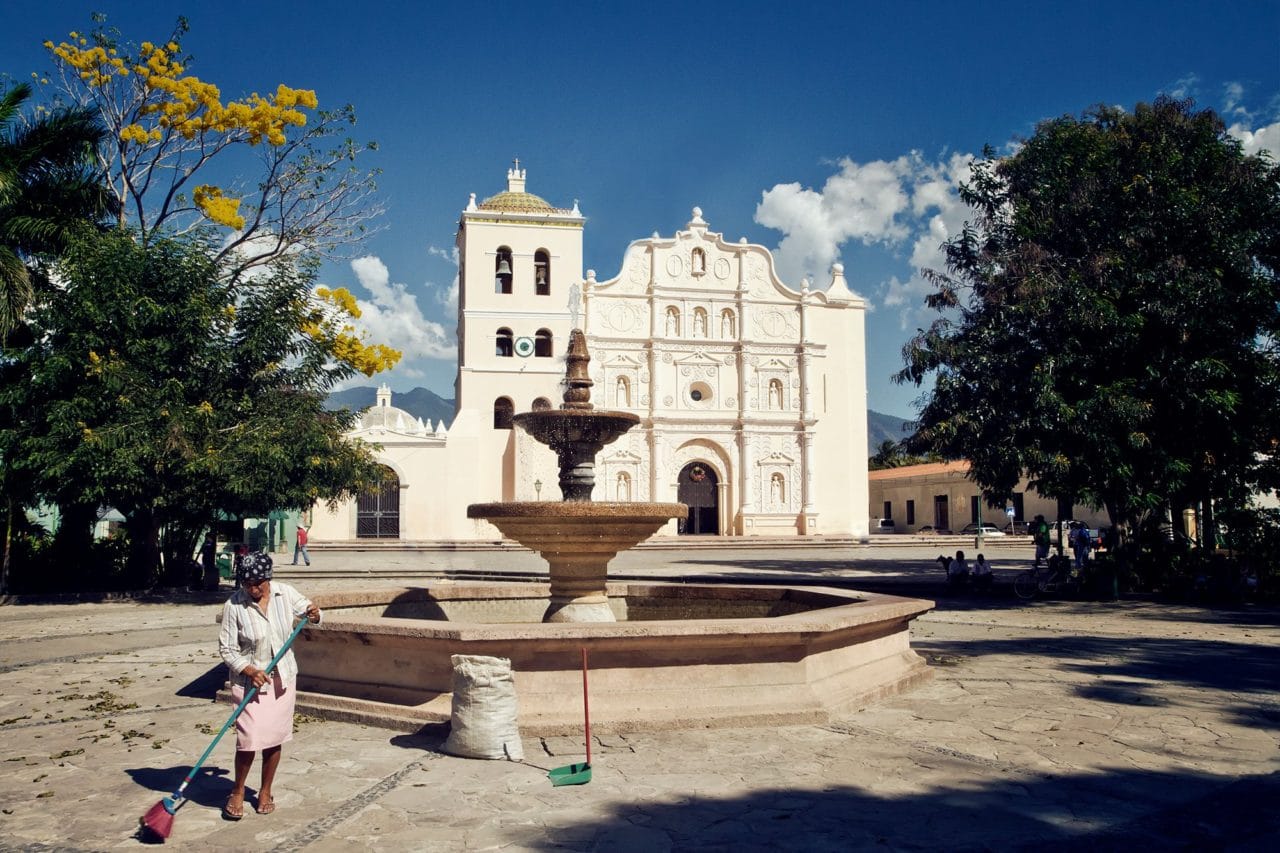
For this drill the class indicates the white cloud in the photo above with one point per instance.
(860, 202)
(909, 201)
(1258, 140)
(392, 317)
(447, 297)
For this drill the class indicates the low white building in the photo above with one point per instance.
(751, 393)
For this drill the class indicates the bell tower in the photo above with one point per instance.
(520, 261)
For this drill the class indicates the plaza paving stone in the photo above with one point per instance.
(1055, 725)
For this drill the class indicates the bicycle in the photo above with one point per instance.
(1059, 576)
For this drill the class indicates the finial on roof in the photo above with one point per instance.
(471, 205)
(575, 210)
(515, 178)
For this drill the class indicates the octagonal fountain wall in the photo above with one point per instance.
(678, 655)
(662, 655)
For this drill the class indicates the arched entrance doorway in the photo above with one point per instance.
(378, 509)
(699, 491)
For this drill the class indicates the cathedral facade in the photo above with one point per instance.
(751, 393)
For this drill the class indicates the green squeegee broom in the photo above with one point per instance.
(159, 818)
(577, 774)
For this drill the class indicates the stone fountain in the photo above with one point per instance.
(662, 655)
(577, 537)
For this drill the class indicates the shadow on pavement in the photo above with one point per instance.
(1102, 811)
(205, 686)
(1131, 670)
(210, 787)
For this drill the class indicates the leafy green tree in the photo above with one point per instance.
(161, 386)
(1110, 317)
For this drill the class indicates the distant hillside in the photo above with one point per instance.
(882, 428)
(419, 402)
(427, 405)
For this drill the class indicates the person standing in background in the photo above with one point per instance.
(301, 547)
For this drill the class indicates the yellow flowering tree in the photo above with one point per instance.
(171, 131)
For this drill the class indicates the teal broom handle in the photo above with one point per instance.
(248, 697)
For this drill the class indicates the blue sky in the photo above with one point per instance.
(825, 131)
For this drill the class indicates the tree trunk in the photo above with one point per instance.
(8, 546)
(144, 546)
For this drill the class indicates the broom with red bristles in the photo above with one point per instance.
(159, 818)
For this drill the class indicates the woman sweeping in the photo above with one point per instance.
(256, 622)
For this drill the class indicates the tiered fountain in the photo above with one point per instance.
(662, 655)
(577, 537)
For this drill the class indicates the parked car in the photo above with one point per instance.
(886, 525)
(987, 530)
(930, 530)
(1018, 528)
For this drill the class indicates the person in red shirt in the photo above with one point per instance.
(301, 547)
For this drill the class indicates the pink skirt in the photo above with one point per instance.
(267, 720)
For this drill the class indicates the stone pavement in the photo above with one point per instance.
(1057, 724)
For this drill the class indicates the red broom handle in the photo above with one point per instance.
(586, 707)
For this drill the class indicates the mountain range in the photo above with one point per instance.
(428, 405)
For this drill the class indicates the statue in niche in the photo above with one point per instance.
(624, 487)
(726, 324)
(673, 322)
(699, 323)
(775, 394)
(777, 495)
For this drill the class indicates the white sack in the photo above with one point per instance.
(483, 719)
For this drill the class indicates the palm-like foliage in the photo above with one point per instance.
(49, 186)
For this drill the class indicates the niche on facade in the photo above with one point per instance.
(504, 346)
(622, 471)
(774, 386)
(698, 262)
(777, 476)
(503, 410)
(728, 324)
(672, 328)
(542, 344)
(699, 322)
(542, 272)
(621, 382)
(502, 270)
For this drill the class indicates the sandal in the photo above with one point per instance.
(234, 807)
(266, 806)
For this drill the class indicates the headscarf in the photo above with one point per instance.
(255, 568)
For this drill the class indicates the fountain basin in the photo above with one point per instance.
(685, 656)
(577, 539)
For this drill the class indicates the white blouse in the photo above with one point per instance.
(250, 636)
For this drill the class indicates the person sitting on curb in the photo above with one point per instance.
(982, 577)
(956, 568)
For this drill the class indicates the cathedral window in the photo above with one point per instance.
(541, 404)
(542, 272)
(503, 348)
(503, 409)
(502, 275)
(542, 344)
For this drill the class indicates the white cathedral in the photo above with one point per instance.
(751, 393)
